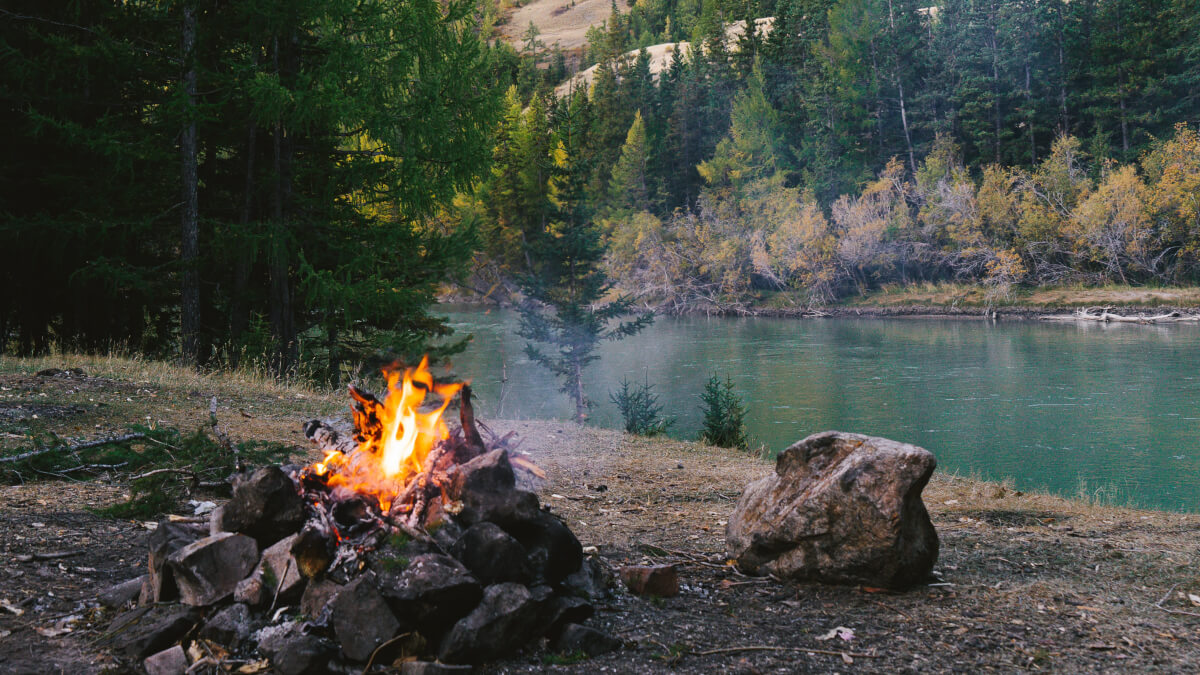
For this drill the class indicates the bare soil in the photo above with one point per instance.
(560, 22)
(1027, 581)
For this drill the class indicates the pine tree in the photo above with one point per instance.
(629, 189)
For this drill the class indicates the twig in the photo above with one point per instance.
(46, 556)
(282, 577)
(894, 609)
(72, 448)
(371, 661)
(767, 648)
(186, 469)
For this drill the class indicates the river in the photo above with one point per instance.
(1113, 411)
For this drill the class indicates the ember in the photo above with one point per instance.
(406, 527)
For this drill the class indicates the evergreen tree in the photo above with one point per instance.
(629, 189)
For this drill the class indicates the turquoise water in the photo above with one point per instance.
(1062, 407)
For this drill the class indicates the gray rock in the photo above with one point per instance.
(361, 619)
(506, 619)
(293, 651)
(554, 551)
(265, 505)
(842, 508)
(230, 626)
(150, 629)
(576, 638)
(492, 555)
(433, 591)
(122, 593)
(592, 580)
(209, 569)
(170, 661)
(277, 570)
(491, 472)
(565, 609)
(317, 596)
(166, 539)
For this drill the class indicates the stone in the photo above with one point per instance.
(505, 620)
(575, 638)
(490, 472)
(362, 619)
(657, 580)
(564, 609)
(123, 593)
(592, 580)
(840, 508)
(554, 551)
(277, 571)
(166, 539)
(230, 626)
(293, 651)
(265, 505)
(170, 661)
(317, 596)
(208, 570)
(492, 554)
(433, 591)
(150, 629)
(312, 550)
(433, 668)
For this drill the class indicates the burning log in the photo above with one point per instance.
(407, 539)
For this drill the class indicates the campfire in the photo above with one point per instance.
(409, 540)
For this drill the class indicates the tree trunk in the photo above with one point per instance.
(993, 44)
(190, 226)
(239, 315)
(279, 258)
(1031, 117)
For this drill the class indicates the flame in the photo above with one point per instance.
(395, 436)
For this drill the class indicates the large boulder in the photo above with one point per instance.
(841, 508)
(209, 569)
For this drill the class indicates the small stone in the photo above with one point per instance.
(265, 505)
(492, 555)
(575, 638)
(149, 629)
(122, 593)
(505, 620)
(564, 609)
(251, 591)
(317, 596)
(658, 580)
(362, 620)
(208, 570)
(433, 668)
(230, 626)
(593, 580)
(170, 661)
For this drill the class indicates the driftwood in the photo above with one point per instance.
(1103, 315)
(71, 448)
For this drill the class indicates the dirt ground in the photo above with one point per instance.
(1027, 582)
(560, 22)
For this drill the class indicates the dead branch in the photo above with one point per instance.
(46, 556)
(71, 448)
(1104, 315)
(474, 445)
(768, 648)
(222, 437)
(185, 470)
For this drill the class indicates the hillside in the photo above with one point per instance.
(561, 22)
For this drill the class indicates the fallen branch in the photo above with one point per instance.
(71, 448)
(768, 648)
(185, 470)
(46, 556)
(1103, 315)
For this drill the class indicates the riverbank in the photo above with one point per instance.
(1027, 581)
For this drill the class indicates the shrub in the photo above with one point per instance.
(724, 415)
(640, 409)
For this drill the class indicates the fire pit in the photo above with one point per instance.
(409, 540)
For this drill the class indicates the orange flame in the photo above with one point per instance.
(395, 435)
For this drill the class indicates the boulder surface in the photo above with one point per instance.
(840, 508)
